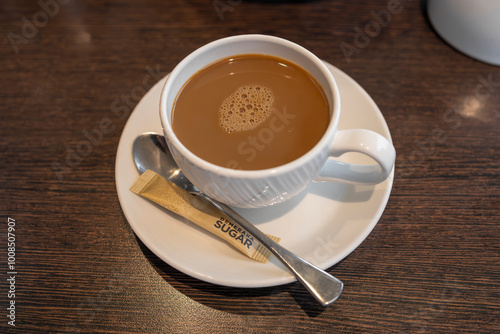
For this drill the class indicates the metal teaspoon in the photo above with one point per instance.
(150, 151)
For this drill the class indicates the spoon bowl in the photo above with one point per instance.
(150, 151)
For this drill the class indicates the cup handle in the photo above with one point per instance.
(363, 141)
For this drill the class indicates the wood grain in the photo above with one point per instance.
(431, 265)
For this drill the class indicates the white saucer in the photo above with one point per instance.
(323, 224)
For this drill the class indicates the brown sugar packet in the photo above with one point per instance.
(156, 188)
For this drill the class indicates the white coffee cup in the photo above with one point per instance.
(260, 188)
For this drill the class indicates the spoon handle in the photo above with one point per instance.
(324, 287)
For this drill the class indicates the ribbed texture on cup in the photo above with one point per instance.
(247, 192)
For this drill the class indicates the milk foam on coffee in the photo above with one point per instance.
(246, 108)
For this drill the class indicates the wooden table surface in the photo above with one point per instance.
(68, 67)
